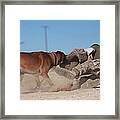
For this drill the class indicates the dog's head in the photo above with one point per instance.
(61, 57)
(69, 63)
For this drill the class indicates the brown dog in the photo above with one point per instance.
(40, 63)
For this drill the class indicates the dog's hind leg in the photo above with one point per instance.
(21, 77)
(38, 80)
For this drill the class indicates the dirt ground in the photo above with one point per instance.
(79, 94)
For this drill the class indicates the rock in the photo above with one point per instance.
(87, 74)
(28, 82)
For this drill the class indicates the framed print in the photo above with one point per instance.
(59, 59)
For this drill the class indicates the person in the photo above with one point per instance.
(90, 52)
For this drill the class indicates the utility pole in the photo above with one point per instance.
(46, 40)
